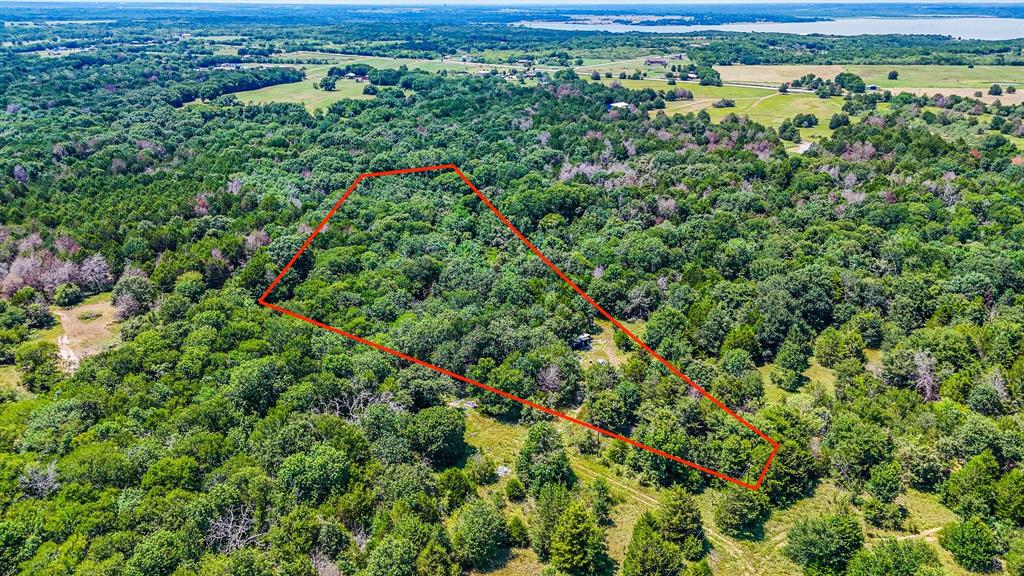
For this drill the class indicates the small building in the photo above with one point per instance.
(350, 75)
(677, 56)
(582, 342)
(655, 62)
(618, 105)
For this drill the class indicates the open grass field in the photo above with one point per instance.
(760, 104)
(627, 65)
(918, 79)
(306, 92)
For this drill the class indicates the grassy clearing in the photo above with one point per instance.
(9, 377)
(910, 76)
(763, 557)
(772, 109)
(824, 376)
(90, 327)
(603, 348)
(306, 92)
(918, 79)
(761, 105)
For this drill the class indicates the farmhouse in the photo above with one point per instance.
(655, 62)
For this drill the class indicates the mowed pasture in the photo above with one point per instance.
(762, 105)
(917, 78)
(308, 93)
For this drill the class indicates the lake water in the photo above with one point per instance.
(968, 28)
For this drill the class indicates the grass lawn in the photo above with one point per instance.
(761, 105)
(306, 91)
(910, 76)
(959, 80)
(772, 109)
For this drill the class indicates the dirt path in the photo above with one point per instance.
(88, 329)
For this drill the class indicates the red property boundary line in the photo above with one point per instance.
(534, 405)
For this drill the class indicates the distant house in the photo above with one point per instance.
(618, 105)
(655, 62)
(677, 56)
(691, 76)
(350, 75)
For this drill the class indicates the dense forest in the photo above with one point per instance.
(219, 437)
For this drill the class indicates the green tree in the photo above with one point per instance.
(479, 534)
(438, 433)
(576, 542)
(824, 545)
(436, 560)
(552, 500)
(680, 523)
(850, 81)
(885, 481)
(37, 362)
(649, 553)
(67, 295)
(159, 554)
(1015, 558)
(740, 512)
(894, 558)
(255, 384)
(514, 489)
(542, 459)
(394, 556)
(971, 543)
(1009, 497)
(969, 490)
(316, 475)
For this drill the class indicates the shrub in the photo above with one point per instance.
(825, 545)
(971, 543)
(479, 534)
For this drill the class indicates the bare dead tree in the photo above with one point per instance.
(927, 386)
(998, 382)
(549, 379)
(233, 530)
(323, 565)
(39, 481)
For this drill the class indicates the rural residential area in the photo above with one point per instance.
(511, 290)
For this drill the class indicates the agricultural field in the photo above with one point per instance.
(917, 79)
(308, 91)
(760, 104)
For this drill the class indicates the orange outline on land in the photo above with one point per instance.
(534, 405)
